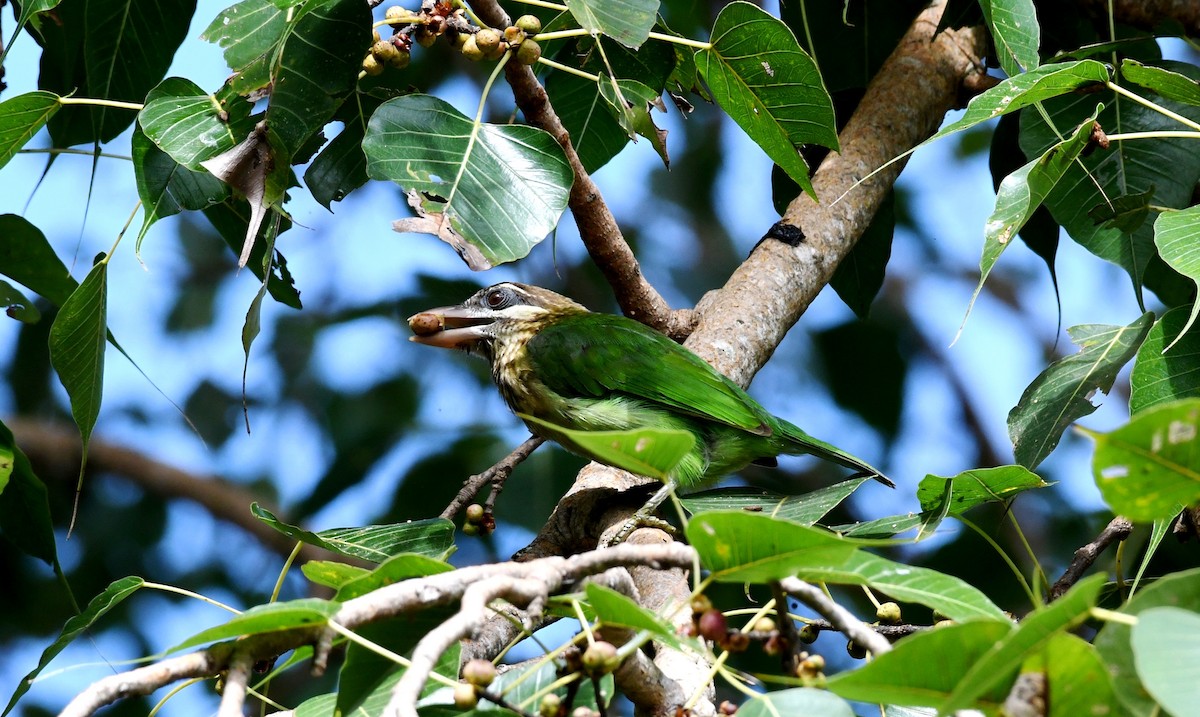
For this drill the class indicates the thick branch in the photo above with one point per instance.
(554, 575)
(597, 226)
(54, 452)
(742, 323)
(1150, 14)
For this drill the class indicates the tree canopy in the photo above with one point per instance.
(216, 219)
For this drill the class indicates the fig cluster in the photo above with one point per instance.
(446, 20)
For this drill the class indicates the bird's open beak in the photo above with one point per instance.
(449, 327)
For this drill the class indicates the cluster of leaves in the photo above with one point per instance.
(1108, 133)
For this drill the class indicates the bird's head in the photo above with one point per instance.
(498, 314)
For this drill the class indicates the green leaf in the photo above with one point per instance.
(25, 506)
(626, 21)
(1025, 89)
(112, 596)
(595, 133)
(491, 191)
(994, 667)
(978, 486)
(21, 118)
(230, 219)
(1177, 236)
(1159, 377)
(803, 509)
(1021, 193)
(118, 50)
(746, 547)
(887, 526)
(272, 617)
(77, 350)
(17, 305)
(249, 32)
(631, 107)
(1113, 640)
(393, 570)
(1078, 680)
(1059, 395)
(769, 86)
(1162, 82)
(376, 543)
(27, 258)
(1015, 33)
(947, 594)
(1150, 467)
(615, 609)
(316, 68)
(191, 125)
(331, 574)
(807, 701)
(166, 187)
(651, 452)
(341, 167)
(29, 10)
(1168, 657)
(924, 668)
(1168, 166)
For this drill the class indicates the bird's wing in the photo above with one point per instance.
(598, 354)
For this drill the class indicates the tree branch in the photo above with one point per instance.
(838, 616)
(597, 227)
(1119, 528)
(497, 474)
(54, 452)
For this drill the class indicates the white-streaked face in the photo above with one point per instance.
(486, 316)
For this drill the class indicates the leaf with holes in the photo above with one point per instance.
(491, 191)
(1150, 467)
(768, 85)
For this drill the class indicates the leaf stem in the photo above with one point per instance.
(402, 20)
(1033, 598)
(543, 3)
(136, 107)
(567, 68)
(1157, 108)
(1154, 135)
(561, 34)
(384, 652)
(685, 41)
(121, 234)
(1113, 616)
(69, 150)
(287, 564)
(189, 593)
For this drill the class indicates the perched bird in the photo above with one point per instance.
(557, 362)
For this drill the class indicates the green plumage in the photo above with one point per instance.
(554, 360)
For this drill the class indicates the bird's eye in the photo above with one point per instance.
(497, 298)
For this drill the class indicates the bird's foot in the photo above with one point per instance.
(644, 517)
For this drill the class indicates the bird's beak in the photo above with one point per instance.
(450, 327)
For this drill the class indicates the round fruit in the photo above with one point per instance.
(530, 24)
(371, 66)
(470, 49)
(488, 39)
(529, 52)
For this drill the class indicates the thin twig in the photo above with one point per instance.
(496, 475)
(1117, 529)
(787, 630)
(840, 617)
(891, 632)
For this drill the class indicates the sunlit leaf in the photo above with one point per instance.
(249, 32)
(1060, 395)
(165, 186)
(1113, 641)
(1161, 81)
(1177, 236)
(978, 486)
(393, 570)
(993, 668)
(651, 452)
(1167, 656)
(632, 108)
(626, 21)
(769, 86)
(112, 596)
(191, 125)
(617, 610)
(1150, 467)
(490, 191)
(21, 118)
(1077, 678)
(1161, 377)
(1021, 193)
(807, 701)
(746, 547)
(1015, 33)
(1025, 89)
(270, 617)
(925, 668)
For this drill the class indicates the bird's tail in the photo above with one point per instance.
(801, 442)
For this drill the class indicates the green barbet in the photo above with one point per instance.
(554, 360)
